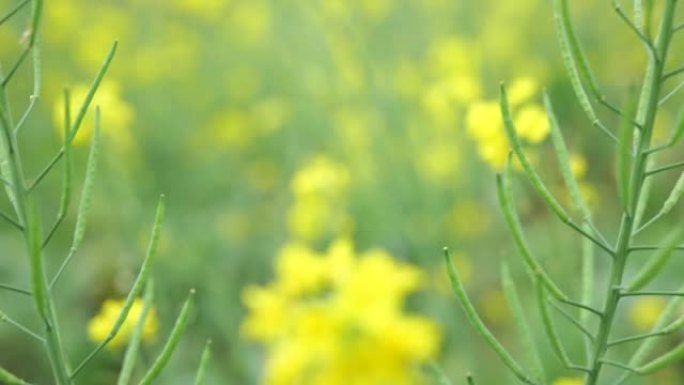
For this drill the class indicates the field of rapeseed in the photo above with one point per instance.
(314, 157)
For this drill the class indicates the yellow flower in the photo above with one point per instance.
(521, 90)
(337, 318)
(578, 165)
(645, 311)
(311, 218)
(322, 177)
(250, 22)
(101, 324)
(568, 381)
(532, 123)
(320, 191)
(485, 126)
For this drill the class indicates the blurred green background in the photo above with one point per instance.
(221, 104)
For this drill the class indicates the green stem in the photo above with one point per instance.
(648, 106)
(28, 218)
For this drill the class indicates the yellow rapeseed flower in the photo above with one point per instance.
(323, 177)
(101, 324)
(320, 193)
(485, 125)
(568, 381)
(645, 311)
(337, 318)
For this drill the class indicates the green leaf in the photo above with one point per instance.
(530, 171)
(65, 199)
(137, 288)
(521, 324)
(35, 247)
(171, 342)
(131, 355)
(550, 327)
(204, 361)
(10, 379)
(91, 92)
(663, 360)
(561, 151)
(513, 222)
(479, 326)
(572, 53)
(86, 197)
(669, 204)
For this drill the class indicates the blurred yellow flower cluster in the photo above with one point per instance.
(568, 381)
(101, 324)
(485, 125)
(320, 190)
(337, 318)
(644, 312)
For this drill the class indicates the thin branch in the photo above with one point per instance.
(597, 242)
(5, 318)
(15, 289)
(32, 103)
(652, 247)
(572, 320)
(619, 365)
(46, 170)
(664, 168)
(582, 306)
(652, 293)
(657, 149)
(603, 100)
(53, 229)
(670, 94)
(619, 341)
(673, 73)
(635, 29)
(11, 221)
(13, 11)
(596, 231)
(5, 182)
(15, 67)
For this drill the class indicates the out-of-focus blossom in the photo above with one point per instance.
(101, 324)
(338, 318)
(568, 381)
(485, 125)
(320, 194)
(645, 311)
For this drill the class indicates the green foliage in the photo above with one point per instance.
(634, 166)
(26, 207)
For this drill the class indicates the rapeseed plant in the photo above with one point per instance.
(635, 148)
(28, 217)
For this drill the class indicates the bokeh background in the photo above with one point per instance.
(268, 123)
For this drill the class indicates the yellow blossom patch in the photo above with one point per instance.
(338, 318)
(101, 324)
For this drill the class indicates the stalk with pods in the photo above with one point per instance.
(636, 164)
(27, 218)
